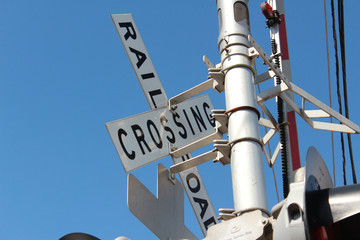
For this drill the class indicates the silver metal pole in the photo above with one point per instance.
(244, 134)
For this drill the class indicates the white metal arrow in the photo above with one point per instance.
(164, 214)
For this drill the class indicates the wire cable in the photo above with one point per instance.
(329, 84)
(338, 86)
(343, 67)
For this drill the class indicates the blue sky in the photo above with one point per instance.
(64, 74)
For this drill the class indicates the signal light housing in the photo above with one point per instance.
(272, 16)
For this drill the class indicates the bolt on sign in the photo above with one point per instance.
(149, 136)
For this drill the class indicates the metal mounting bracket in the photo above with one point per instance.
(252, 52)
(264, 77)
(220, 129)
(207, 62)
(215, 81)
(345, 126)
(271, 160)
(218, 79)
(189, 93)
(268, 60)
(249, 225)
(222, 148)
(282, 91)
(196, 145)
(226, 213)
(192, 162)
(221, 120)
(219, 153)
(323, 110)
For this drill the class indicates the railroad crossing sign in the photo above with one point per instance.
(156, 97)
(147, 137)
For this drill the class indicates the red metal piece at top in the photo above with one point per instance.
(267, 10)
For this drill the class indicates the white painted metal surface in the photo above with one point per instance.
(290, 222)
(247, 227)
(147, 137)
(268, 61)
(292, 219)
(164, 214)
(140, 60)
(243, 129)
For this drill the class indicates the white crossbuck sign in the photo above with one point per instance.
(146, 137)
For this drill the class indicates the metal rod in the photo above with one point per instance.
(192, 162)
(191, 92)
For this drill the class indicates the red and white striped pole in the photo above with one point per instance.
(279, 35)
(285, 67)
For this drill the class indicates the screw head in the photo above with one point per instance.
(173, 107)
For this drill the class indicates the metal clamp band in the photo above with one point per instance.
(232, 143)
(227, 46)
(228, 55)
(227, 37)
(243, 108)
(239, 65)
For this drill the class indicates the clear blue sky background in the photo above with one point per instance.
(64, 74)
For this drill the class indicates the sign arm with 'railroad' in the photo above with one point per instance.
(140, 60)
